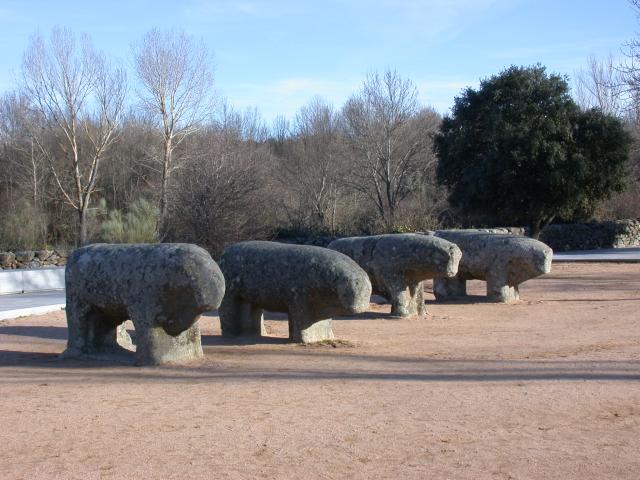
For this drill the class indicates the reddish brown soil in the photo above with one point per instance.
(546, 388)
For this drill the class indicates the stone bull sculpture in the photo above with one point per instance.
(162, 288)
(503, 261)
(398, 264)
(310, 284)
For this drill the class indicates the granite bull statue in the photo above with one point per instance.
(503, 261)
(310, 284)
(398, 264)
(162, 288)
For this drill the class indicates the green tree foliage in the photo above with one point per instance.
(520, 150)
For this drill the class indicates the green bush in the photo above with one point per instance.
(23, 228)
(137, 225)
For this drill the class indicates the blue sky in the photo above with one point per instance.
(277, 55)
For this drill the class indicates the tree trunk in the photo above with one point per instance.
(166, 165)
(333, 212)
(34, 177)
(82, 214)
(534, 229)
(538, 225)
(391, 218)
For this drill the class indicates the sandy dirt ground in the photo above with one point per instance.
(547, 388)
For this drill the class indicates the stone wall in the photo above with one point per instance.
(560, 237)
(33, 259)
(591, 236)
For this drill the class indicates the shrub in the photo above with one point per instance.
(137, 225)
(23, 228)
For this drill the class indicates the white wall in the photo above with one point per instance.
(31, 280)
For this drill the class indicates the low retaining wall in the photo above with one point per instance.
(560, 237)
(36, 280)
(592, 236)
(33, 259)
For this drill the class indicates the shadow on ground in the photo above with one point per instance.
(329, 364)
(52, 333)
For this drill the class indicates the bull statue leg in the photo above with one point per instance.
(93, 332)
(155, 346)
(79, 342)
(516, 292)
(499, 291)
(305, 328)
(445, 288)
(416, 291)
(252, 319)
(239, 317)
(400, 295)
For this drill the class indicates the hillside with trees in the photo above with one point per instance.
(92, 152)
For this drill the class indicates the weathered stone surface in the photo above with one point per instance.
(162, 288)
(503, 261)
(310, 284)
(43, 255)
(398, 264)
(7, 259)
(25, 256)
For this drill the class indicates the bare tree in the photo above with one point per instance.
(176, 82)
(25, 161)
(313, 166)
(80, 98)
(601, 86)
(629, 75)
(218, 196)
(391, 137)
(132, 171)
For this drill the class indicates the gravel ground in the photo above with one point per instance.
(546, 388)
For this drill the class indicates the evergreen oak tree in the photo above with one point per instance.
(521, 150)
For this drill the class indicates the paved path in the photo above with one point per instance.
(20, 304)
(630, 255)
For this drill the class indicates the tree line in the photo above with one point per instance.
(89, 154)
